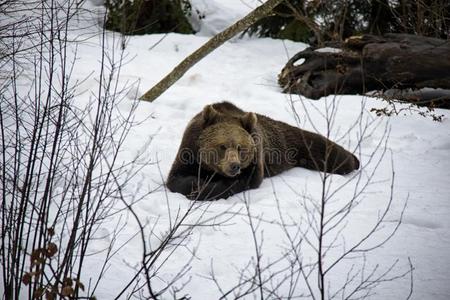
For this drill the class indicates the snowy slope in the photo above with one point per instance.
(244, 72)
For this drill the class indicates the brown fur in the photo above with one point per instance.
(225, 151)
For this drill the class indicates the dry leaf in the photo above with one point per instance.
(66, 291)
(26, 278)
(51, 249)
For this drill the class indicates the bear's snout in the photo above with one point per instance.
(234, 168)
(232, 163)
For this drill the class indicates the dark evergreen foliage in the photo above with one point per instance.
(337, 20)
(148, 16)
(283, 24)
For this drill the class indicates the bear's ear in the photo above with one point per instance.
(249, 121)
(210, 115)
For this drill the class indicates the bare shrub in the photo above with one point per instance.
(323, 255)
(63, 177)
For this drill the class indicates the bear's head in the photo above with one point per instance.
(226, 145)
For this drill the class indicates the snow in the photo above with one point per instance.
(244, 71)
(328, 50)
(218, 15)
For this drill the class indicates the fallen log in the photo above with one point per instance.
(367, 63)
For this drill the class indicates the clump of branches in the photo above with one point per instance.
(317, 22)
(59, 158)
(323, 254)
(63, 179)
(327, 230)
(398, 103)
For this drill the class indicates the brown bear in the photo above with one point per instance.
(225, 151)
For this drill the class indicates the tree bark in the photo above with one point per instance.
(207, 48)
(368, 63)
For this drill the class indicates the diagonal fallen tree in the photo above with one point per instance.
(216, 41)
(367, 63)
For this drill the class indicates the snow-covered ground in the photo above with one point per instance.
(244, 71)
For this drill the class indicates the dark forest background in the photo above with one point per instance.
(313, 21)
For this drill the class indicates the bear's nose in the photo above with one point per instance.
(235, 167)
